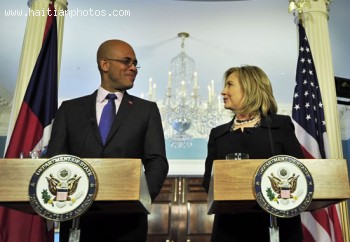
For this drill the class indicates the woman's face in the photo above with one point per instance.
(232, 93)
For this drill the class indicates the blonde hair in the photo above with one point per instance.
(258, 94)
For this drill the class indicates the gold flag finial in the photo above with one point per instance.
(298, 5)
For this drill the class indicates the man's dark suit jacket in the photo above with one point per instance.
(136, 132)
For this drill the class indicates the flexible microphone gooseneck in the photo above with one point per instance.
(274, 231)
(92, 122)
(268, 122)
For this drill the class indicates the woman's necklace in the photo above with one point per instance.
(237, 122)
(246, 121)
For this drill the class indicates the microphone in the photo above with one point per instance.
(273, 219)
(92, 122)
(268, 122)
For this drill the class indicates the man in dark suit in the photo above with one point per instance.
(136, 132)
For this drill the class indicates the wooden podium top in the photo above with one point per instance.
(122, 184)
(232, 190)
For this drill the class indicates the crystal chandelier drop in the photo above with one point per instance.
(185, 115)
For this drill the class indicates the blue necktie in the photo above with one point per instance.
(107, 116)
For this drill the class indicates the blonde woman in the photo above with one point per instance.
(256, 129)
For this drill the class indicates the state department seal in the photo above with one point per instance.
(62, 188)
(283, 186)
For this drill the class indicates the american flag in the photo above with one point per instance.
(308, 118)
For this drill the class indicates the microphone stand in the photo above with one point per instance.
(274, 231)
(74, 232)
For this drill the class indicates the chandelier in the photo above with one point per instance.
(184, 113)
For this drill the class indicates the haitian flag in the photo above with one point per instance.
(32, 132)
(310, 127)
(33, 126)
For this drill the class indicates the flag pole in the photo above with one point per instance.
(316, 25)
(32, 42)
(313, 15)
(38, 69)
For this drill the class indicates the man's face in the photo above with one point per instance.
(119, 69)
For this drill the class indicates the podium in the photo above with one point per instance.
(232, 189)
(122, 185)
